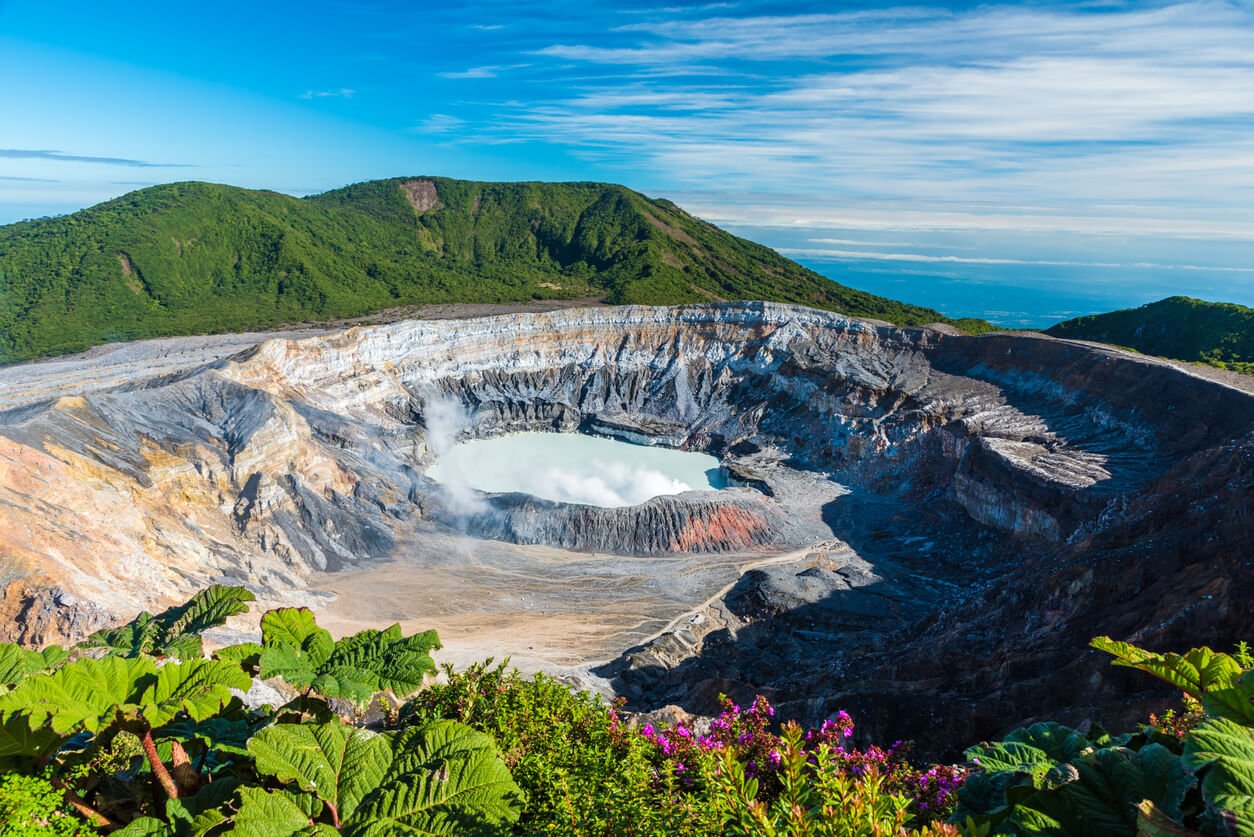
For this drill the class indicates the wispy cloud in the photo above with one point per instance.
(866, 255)
(342, 93)
(862, 242)
(1141, 113)
(486, 71)
(907, 217)
(62, 157)
(13, 179)
(440, 123)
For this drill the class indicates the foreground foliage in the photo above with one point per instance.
(135, 732)
(1176, 776)
(195, 258)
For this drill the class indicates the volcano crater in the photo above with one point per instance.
(912, 512)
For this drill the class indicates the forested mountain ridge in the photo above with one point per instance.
(1218, 333)
(187, 258)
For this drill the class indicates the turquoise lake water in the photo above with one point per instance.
(574, 468)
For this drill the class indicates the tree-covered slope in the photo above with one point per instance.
(189, 258)
(1179, 327)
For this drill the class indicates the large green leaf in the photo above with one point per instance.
(289, 663)
(20, 740)
(1061, 784)
(347, 683)
(1110, 786)
(1059, 743)
(199, 688)
(247, 655)
(175, 632)
(1195, 673)
(201, 814)
(355, 668)
(425, 747)
(1235, 702)
(1226, 749)
(1012, 757)
(339, 764)
(87, 693)
(146, 827)
(17, 663)
(209, 608)
(294, 627)
(278, 814)
(446, 779)
(139, 636)
(226, 735)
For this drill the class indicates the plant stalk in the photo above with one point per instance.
(80, 805)
(335, 815)
(158, 769)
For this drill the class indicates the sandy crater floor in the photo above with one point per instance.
(548, 609)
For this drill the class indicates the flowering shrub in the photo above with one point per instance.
(817, 797)
(583, 770)
(683, 755)
(1179, 723)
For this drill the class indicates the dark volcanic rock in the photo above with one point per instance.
(725, 521)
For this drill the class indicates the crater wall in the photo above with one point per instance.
(1021, 453)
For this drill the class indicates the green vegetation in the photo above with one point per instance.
(123, 738)
(1180, 775)
(193, 258)
(1219, 334)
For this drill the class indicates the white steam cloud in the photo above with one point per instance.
(608, 484)
(445, 419)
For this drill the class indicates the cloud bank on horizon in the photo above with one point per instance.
(1121, 120)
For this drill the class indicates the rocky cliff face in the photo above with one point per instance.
(1003, 488)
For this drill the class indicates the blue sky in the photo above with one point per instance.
(1093, 153)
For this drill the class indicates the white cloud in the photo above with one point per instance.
(486, 71)
(1137, 118)
(440, 123)
(903, 217)
(342, 93)
(867, 255)
(608, 484)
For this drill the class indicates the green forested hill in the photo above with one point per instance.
(1218, 333)
(189, 258)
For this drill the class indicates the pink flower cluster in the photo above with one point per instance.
(748, 735)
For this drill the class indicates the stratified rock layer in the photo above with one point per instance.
(1013, 493)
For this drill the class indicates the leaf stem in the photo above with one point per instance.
(158, 769)
(78, 804)
(335, 815)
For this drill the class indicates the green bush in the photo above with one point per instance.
(30, 805)
(583, 771)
